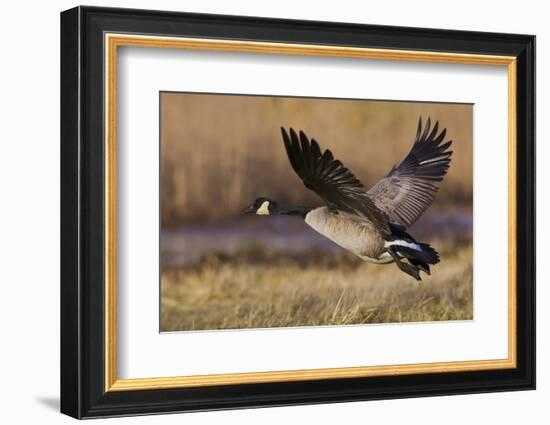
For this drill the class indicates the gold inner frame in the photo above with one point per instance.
(113, 41)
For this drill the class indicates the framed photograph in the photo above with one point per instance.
(261, 212)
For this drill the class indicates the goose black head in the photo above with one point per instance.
(262, 206)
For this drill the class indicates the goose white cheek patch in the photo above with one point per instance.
(263, 210)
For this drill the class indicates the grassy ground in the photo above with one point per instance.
(256, 288)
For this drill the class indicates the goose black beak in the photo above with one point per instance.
(249, 210)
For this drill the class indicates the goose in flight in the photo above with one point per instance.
(371, 224)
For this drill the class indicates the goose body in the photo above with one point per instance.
(371, 224)
(355, 235)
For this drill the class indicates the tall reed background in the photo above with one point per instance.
(223, 151)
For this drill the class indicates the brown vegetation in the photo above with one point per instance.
(257, 288)
(219, 152)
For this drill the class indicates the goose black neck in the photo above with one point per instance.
(293, 210)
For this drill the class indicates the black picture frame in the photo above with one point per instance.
(83, 392)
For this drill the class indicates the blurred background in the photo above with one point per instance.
(225, 150)
(224, 270)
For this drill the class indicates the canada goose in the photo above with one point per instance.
(372, 223)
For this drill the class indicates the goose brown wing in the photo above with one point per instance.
(410, 186)
(329, 179)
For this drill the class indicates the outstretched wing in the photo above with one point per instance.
(328, 177)
(410, 187)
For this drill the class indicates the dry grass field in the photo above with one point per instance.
(256, 288)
